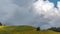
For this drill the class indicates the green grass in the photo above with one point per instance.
(23, 30)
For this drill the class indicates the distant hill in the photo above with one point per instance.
(24, 30)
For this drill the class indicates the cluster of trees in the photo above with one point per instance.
(56, 29)
(38, 28)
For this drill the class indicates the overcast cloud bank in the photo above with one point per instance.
(30, 12)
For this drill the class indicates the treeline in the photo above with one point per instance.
(57, 29)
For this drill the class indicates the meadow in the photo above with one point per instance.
(24, 30)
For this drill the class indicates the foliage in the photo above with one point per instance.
(57, 29)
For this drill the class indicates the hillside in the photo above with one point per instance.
(23, 30)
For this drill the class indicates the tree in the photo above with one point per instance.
(38, 28)
(0, 24)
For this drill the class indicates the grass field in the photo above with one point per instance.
(23, 30)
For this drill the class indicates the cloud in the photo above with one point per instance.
(11, 13)
(58, 5)
(23, 3)
(7, 9)
(50, 14)
(30, 12)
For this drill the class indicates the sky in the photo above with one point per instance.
(55, 2)
(37, 13)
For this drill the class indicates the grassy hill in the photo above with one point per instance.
(23, 30)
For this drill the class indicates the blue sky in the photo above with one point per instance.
(55, 2)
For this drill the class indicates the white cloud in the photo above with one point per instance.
(50, 13)
(58, 5)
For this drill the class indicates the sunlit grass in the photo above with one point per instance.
(1, 27)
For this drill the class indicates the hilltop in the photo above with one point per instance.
(24, 30)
